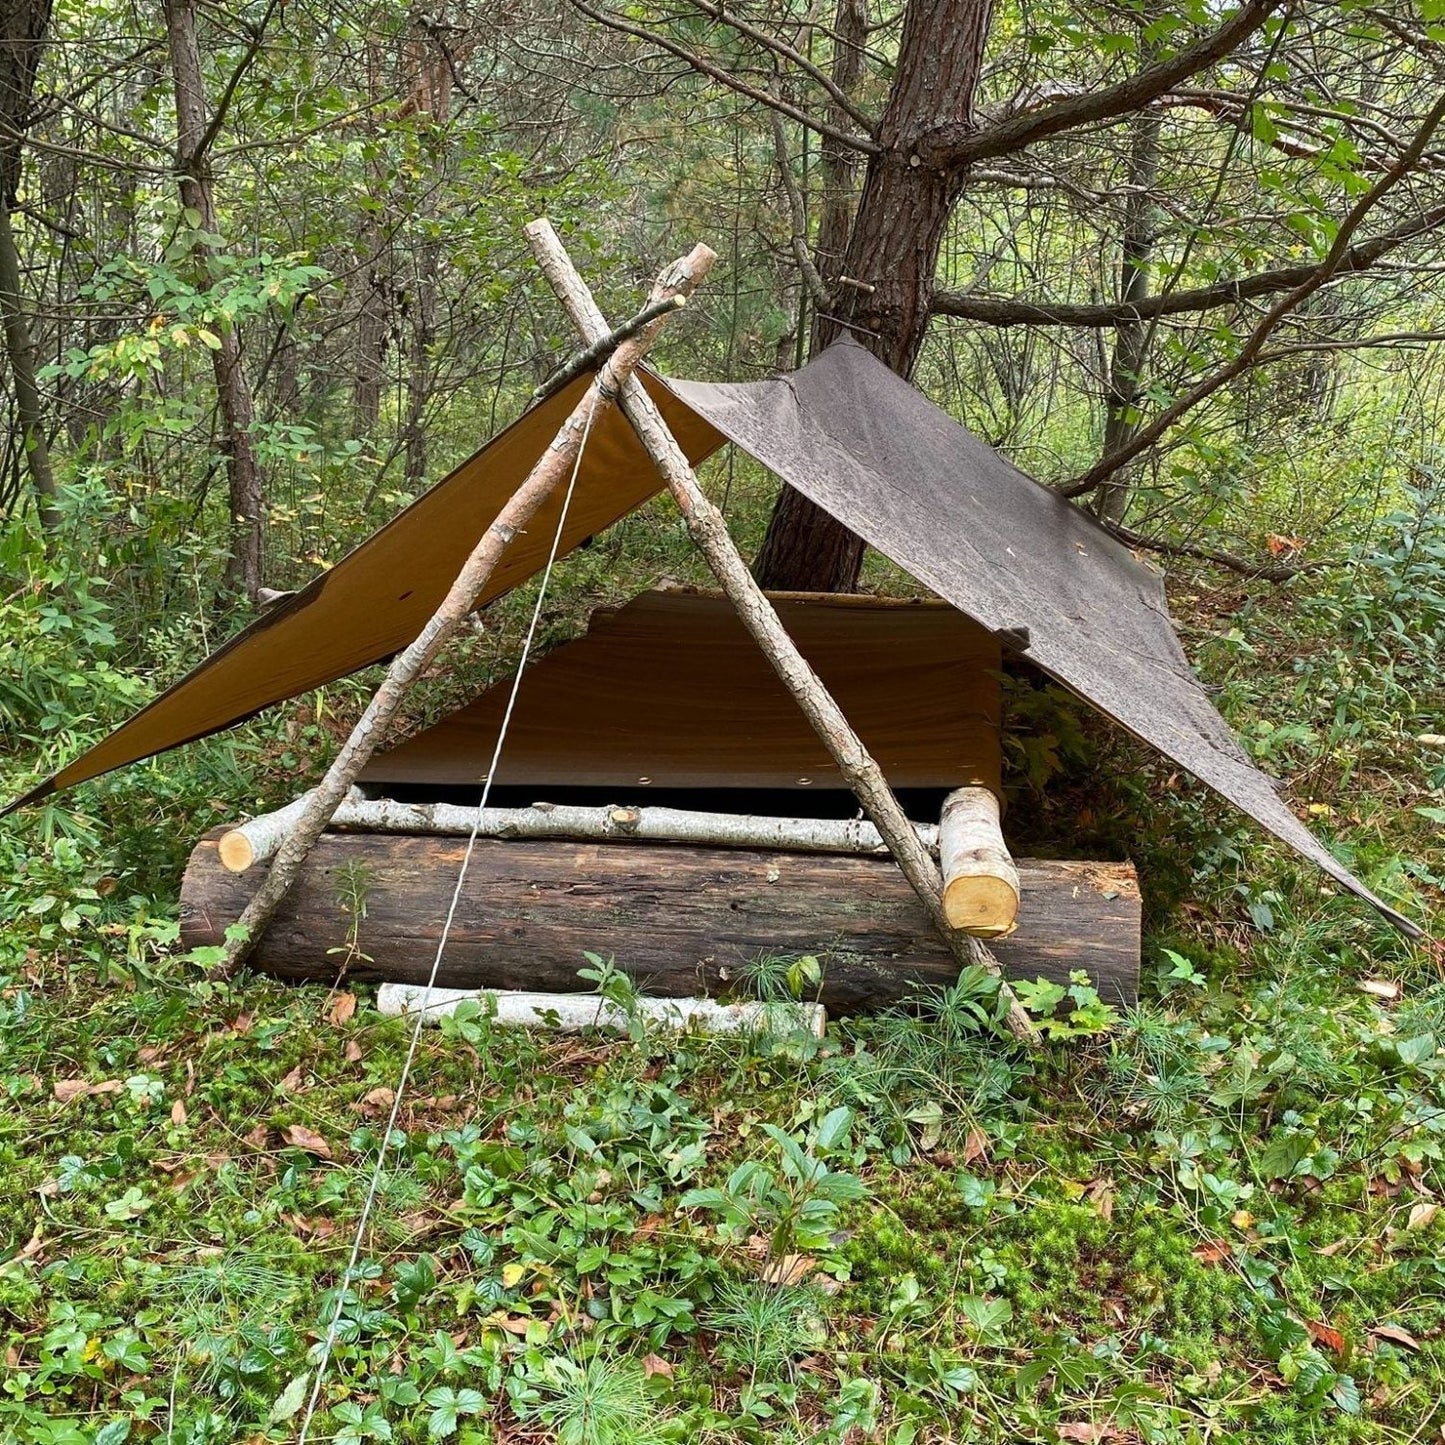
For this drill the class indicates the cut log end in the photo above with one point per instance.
(236, 851)
(984, 905)
(980, 882)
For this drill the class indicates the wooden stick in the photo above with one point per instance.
(258, 840)
(709, 531)
(575, 1012)
(980, 882)
(590, 356)
(551, 471)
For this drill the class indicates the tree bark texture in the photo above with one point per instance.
(260, 839)
(1131, 335)
(892, 250)
(681, 921)
(245, 484)
(23, 24)
(571, 1013)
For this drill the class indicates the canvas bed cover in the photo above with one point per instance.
(864, 445)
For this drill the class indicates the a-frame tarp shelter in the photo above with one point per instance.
(854, 438)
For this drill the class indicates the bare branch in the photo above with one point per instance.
(725, 77)
(719, 12)
(1271, 570)
(1249, 354)
(799, 211)
(959, 144)
(1006, 311)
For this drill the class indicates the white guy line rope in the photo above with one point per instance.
(329, 1343)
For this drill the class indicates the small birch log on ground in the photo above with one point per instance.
(708, 529)
(980, 882)
(551, 471)
(576, 1012)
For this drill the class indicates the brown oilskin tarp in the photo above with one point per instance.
(861, 443)
(876, 453)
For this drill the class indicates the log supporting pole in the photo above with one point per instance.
(681, 920)
(551, 471)
(980, 882)
(258, 840)
(708, 529)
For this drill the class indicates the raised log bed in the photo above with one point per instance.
(681, 920)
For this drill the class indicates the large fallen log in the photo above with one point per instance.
(680, 920)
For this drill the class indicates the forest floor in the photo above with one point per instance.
(1219, 1220)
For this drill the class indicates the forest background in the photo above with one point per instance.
(262, 281)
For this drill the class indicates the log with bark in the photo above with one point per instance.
(680, 920)
(258, 840)
(578, 1012)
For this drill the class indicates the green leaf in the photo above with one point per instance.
(834, 1128)
(290, 1400)
(1417, 1050)
(1284, 1154)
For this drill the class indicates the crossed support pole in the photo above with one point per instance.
(616, 383)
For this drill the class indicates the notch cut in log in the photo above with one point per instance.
(980, 882)
(681, 921)
(578, 1012)
(255, 842)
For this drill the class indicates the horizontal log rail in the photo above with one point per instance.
(258, 840)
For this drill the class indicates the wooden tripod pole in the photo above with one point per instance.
(551, 471)
(709, 531)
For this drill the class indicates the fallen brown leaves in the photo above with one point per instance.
(342, 1010)
(300, 1137)
(68, 1089)
(1326, 1335)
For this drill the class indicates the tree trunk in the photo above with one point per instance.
(233, 393)
(20, 352)
(1131, 336)
(892, 254)
(23, 24)
(374, 282)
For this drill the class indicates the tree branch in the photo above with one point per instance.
(959, 144)
(223, 105)
(1249, 354)
(868, 124)
(1265, 571)
(1006, 311)
(725, 77)
(799, 212)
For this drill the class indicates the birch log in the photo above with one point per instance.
(708, 529)
(551, 471)
(577, 1012)
(980, 882)
(258, 840)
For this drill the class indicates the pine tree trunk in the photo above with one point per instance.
(233, 392)
(892, 251)
(23, 24)
(1131, 336)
